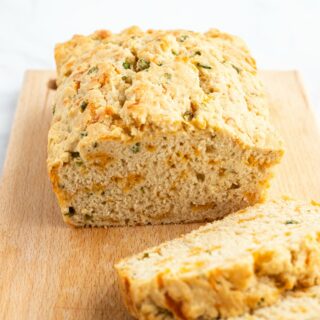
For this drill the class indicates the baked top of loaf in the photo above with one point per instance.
(297, 305)
(228, 267)
(125, 86)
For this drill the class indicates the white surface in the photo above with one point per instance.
(281, 34)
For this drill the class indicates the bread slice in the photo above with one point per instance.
(227, 268)
(158, 127)
(296, 305)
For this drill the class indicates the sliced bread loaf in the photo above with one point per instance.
(158, 127)
(227, 268)
(295, 305)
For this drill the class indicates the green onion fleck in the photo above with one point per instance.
(127, 79)
(174, 52)
(142, 65)
(188, 115)
(164, 312)
(182, 38)
(197, 53)
(93, 69)
(291, 222)
(126, 65)
(203, 66)
(236, 68)
(54, 109)
(83, 105)
(136, 147)
(83, 133)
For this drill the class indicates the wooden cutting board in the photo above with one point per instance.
(52, 271)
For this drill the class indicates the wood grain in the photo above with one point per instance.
(52, 271)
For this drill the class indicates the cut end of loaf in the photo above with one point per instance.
(185, 177)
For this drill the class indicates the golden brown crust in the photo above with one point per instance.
(122, 86)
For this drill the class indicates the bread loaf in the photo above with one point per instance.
(158, 127)
(230, 267)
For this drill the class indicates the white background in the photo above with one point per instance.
(281, 34)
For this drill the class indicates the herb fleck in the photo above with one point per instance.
(200, 65)
(188, 115)
(183, 38)
(71, 212)
(291, 222)
(54, 109)
(164, 312)
(136, 147)
(93, 69)
(142, 189)
(95, 144)
(83, 133)
(174, 52)
(142, 65)
(126, 65)
(197, 53)
(83, 105)
(79, 163)
(168, 75)
(236, 68)
(127, 79)
(74, 154)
